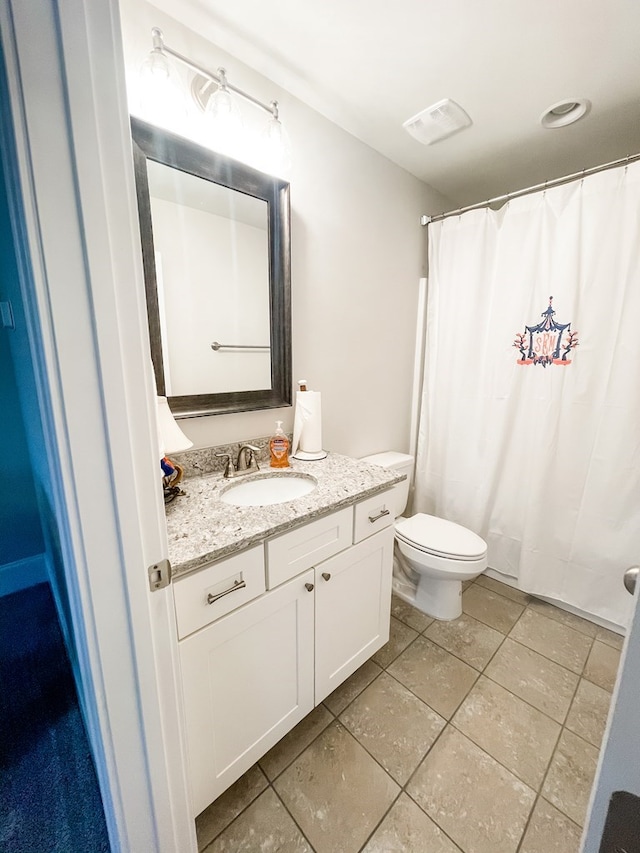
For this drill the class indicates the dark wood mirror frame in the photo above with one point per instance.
(153, 143)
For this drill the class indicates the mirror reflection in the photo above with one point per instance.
(216, 251)
(212, 276)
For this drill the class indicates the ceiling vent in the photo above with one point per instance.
(437, 122)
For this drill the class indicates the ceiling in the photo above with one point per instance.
(368, 65)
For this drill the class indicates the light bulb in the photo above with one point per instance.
(276, 148)
(225, 120)
(156, 68)
(161, 99)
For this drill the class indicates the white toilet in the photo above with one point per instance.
(432, 556)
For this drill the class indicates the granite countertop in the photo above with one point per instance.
(202, 528)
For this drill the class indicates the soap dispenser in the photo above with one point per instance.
(279, 448)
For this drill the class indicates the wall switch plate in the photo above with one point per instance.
(6, 315)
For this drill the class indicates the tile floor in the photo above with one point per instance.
(474, 736)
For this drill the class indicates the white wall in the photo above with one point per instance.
(358, 251)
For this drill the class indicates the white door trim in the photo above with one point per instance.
(73, 206)
(619, 760)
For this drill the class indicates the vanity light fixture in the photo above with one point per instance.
(217, 97)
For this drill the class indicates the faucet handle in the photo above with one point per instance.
(229, 470)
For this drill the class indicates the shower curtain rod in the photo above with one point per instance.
(555, 182)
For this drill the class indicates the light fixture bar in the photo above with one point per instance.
(220, 79)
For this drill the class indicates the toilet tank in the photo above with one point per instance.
(398, 462)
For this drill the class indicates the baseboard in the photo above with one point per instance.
(21, 574)
(597, 620)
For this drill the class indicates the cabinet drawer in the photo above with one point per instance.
(206, 595)
(300, 549)
(372, 515)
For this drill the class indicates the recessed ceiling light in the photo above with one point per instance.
(565, 112)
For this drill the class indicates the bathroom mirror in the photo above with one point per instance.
(216, 254)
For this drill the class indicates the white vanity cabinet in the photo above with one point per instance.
(353, 604)
(252, 669)
(247, 679)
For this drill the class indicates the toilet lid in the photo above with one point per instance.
(441, 537)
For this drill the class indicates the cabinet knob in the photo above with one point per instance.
(309, 587)
(326, 576)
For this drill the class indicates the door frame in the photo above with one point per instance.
(67, 157)
(619, 760)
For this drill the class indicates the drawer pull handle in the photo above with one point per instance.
(326, 576)
(309, 587)
(381, 514)
(236, 585)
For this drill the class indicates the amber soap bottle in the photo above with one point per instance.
(279, 448)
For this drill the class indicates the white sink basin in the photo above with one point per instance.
(269, 489)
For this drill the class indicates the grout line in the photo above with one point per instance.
(304, 748)
(382, 819)
(434, 821)
(284, 805)
(498, 761)
(579, 674)
(528, 820)
(504, 637)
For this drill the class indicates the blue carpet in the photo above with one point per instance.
(49, 796)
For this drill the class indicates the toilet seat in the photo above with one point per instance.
(440, 538)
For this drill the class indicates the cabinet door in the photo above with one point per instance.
(247, 680)
(353, 605)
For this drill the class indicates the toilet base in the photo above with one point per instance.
(443, 603)
(441, 599)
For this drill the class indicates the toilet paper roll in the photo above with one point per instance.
(307, 425)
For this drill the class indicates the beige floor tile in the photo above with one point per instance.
(602, 666)
(395, 726)
(570, 777)
(412, 617)
(494, 610)
(515, 734)
(342, 696)
(435, 675)
(550, 638)
(407, 829)
(458, 779)
(400, 635)
(466, 638)
(511, 592)
(336, 792)
(610, 638)
(292, 744)
(589, 712)
(589, 629)
(549, 831)
(228, 806)
(542, 683)
(265, 825)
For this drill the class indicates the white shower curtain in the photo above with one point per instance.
(530, 417)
